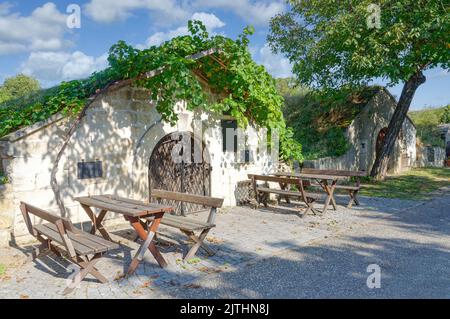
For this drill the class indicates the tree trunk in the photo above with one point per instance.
(379, 169)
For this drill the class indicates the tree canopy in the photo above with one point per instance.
(331, 44)
(246, 90)
(334, 44)
(18, 86)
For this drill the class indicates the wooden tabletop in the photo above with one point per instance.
(124, 206)
(312, 176)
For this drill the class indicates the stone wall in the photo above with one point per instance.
(428, 156)
(362, 136)
(121, 129)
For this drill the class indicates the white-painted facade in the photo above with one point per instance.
(121, 130)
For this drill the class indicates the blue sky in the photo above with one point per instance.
(35, 39)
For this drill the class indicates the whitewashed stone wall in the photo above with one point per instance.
(431, 156)
(113, 132)
(362, 135)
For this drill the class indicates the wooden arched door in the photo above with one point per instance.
(184, 174)
(380, 140)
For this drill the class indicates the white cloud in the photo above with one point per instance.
(107, 11)
(210, 21)
(255, 12)
(53, 67)
(171, 11)
(276, 65)
(42, 30)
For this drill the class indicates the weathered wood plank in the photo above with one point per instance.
(49, 232)
(287, 193)
(275, 179)
(47, 216)
(334, 172)
(91, 202)
(94, 244)
(188, 198)
(130, 203)
(185, 223)
(312, 176)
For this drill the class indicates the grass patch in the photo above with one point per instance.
(2, 269)
(416, 184)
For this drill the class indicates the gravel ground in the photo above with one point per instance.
(411, 247)
(276, 253)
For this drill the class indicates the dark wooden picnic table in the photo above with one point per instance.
(323, 181)
(134, 212)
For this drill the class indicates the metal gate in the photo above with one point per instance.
(170, 168)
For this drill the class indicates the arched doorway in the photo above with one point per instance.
(380, 140)
(172, 169)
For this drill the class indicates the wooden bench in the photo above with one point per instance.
(73, 243)
(262, 192)
(190, 226)
(352, 190)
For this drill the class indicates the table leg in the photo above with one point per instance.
(148, 243)
(97, 222)
(330, 193)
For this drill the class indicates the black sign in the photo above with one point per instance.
(87, 170)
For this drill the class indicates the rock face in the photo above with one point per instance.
(121, 131)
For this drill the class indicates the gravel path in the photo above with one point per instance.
(411, 247)
(276, 254)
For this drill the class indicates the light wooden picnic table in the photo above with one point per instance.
(323, 181)
(134, 212)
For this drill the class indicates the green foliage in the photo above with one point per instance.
(319, 119)
(445, 118)
(427, 122)
(3, 179)
(246, 90)
(289, 87)
(17, 87)
(330, 43)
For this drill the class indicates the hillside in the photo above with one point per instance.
(320, 121)
(427, 122)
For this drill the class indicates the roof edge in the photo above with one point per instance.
(28, 130)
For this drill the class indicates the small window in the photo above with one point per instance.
(229, 128)
(88, 170)
(248, 156)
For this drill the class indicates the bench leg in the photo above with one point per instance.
(94, 272)
(198, 244)
(86, 268)
(353, 199)
(41, 251)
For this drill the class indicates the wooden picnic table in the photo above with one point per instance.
(134, 212)
(352, 190)
(323, 181)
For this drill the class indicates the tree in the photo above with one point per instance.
(350, 43)
(18, 86)
(446, 115)
(289, 87)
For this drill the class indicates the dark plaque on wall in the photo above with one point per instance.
(87, 170)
